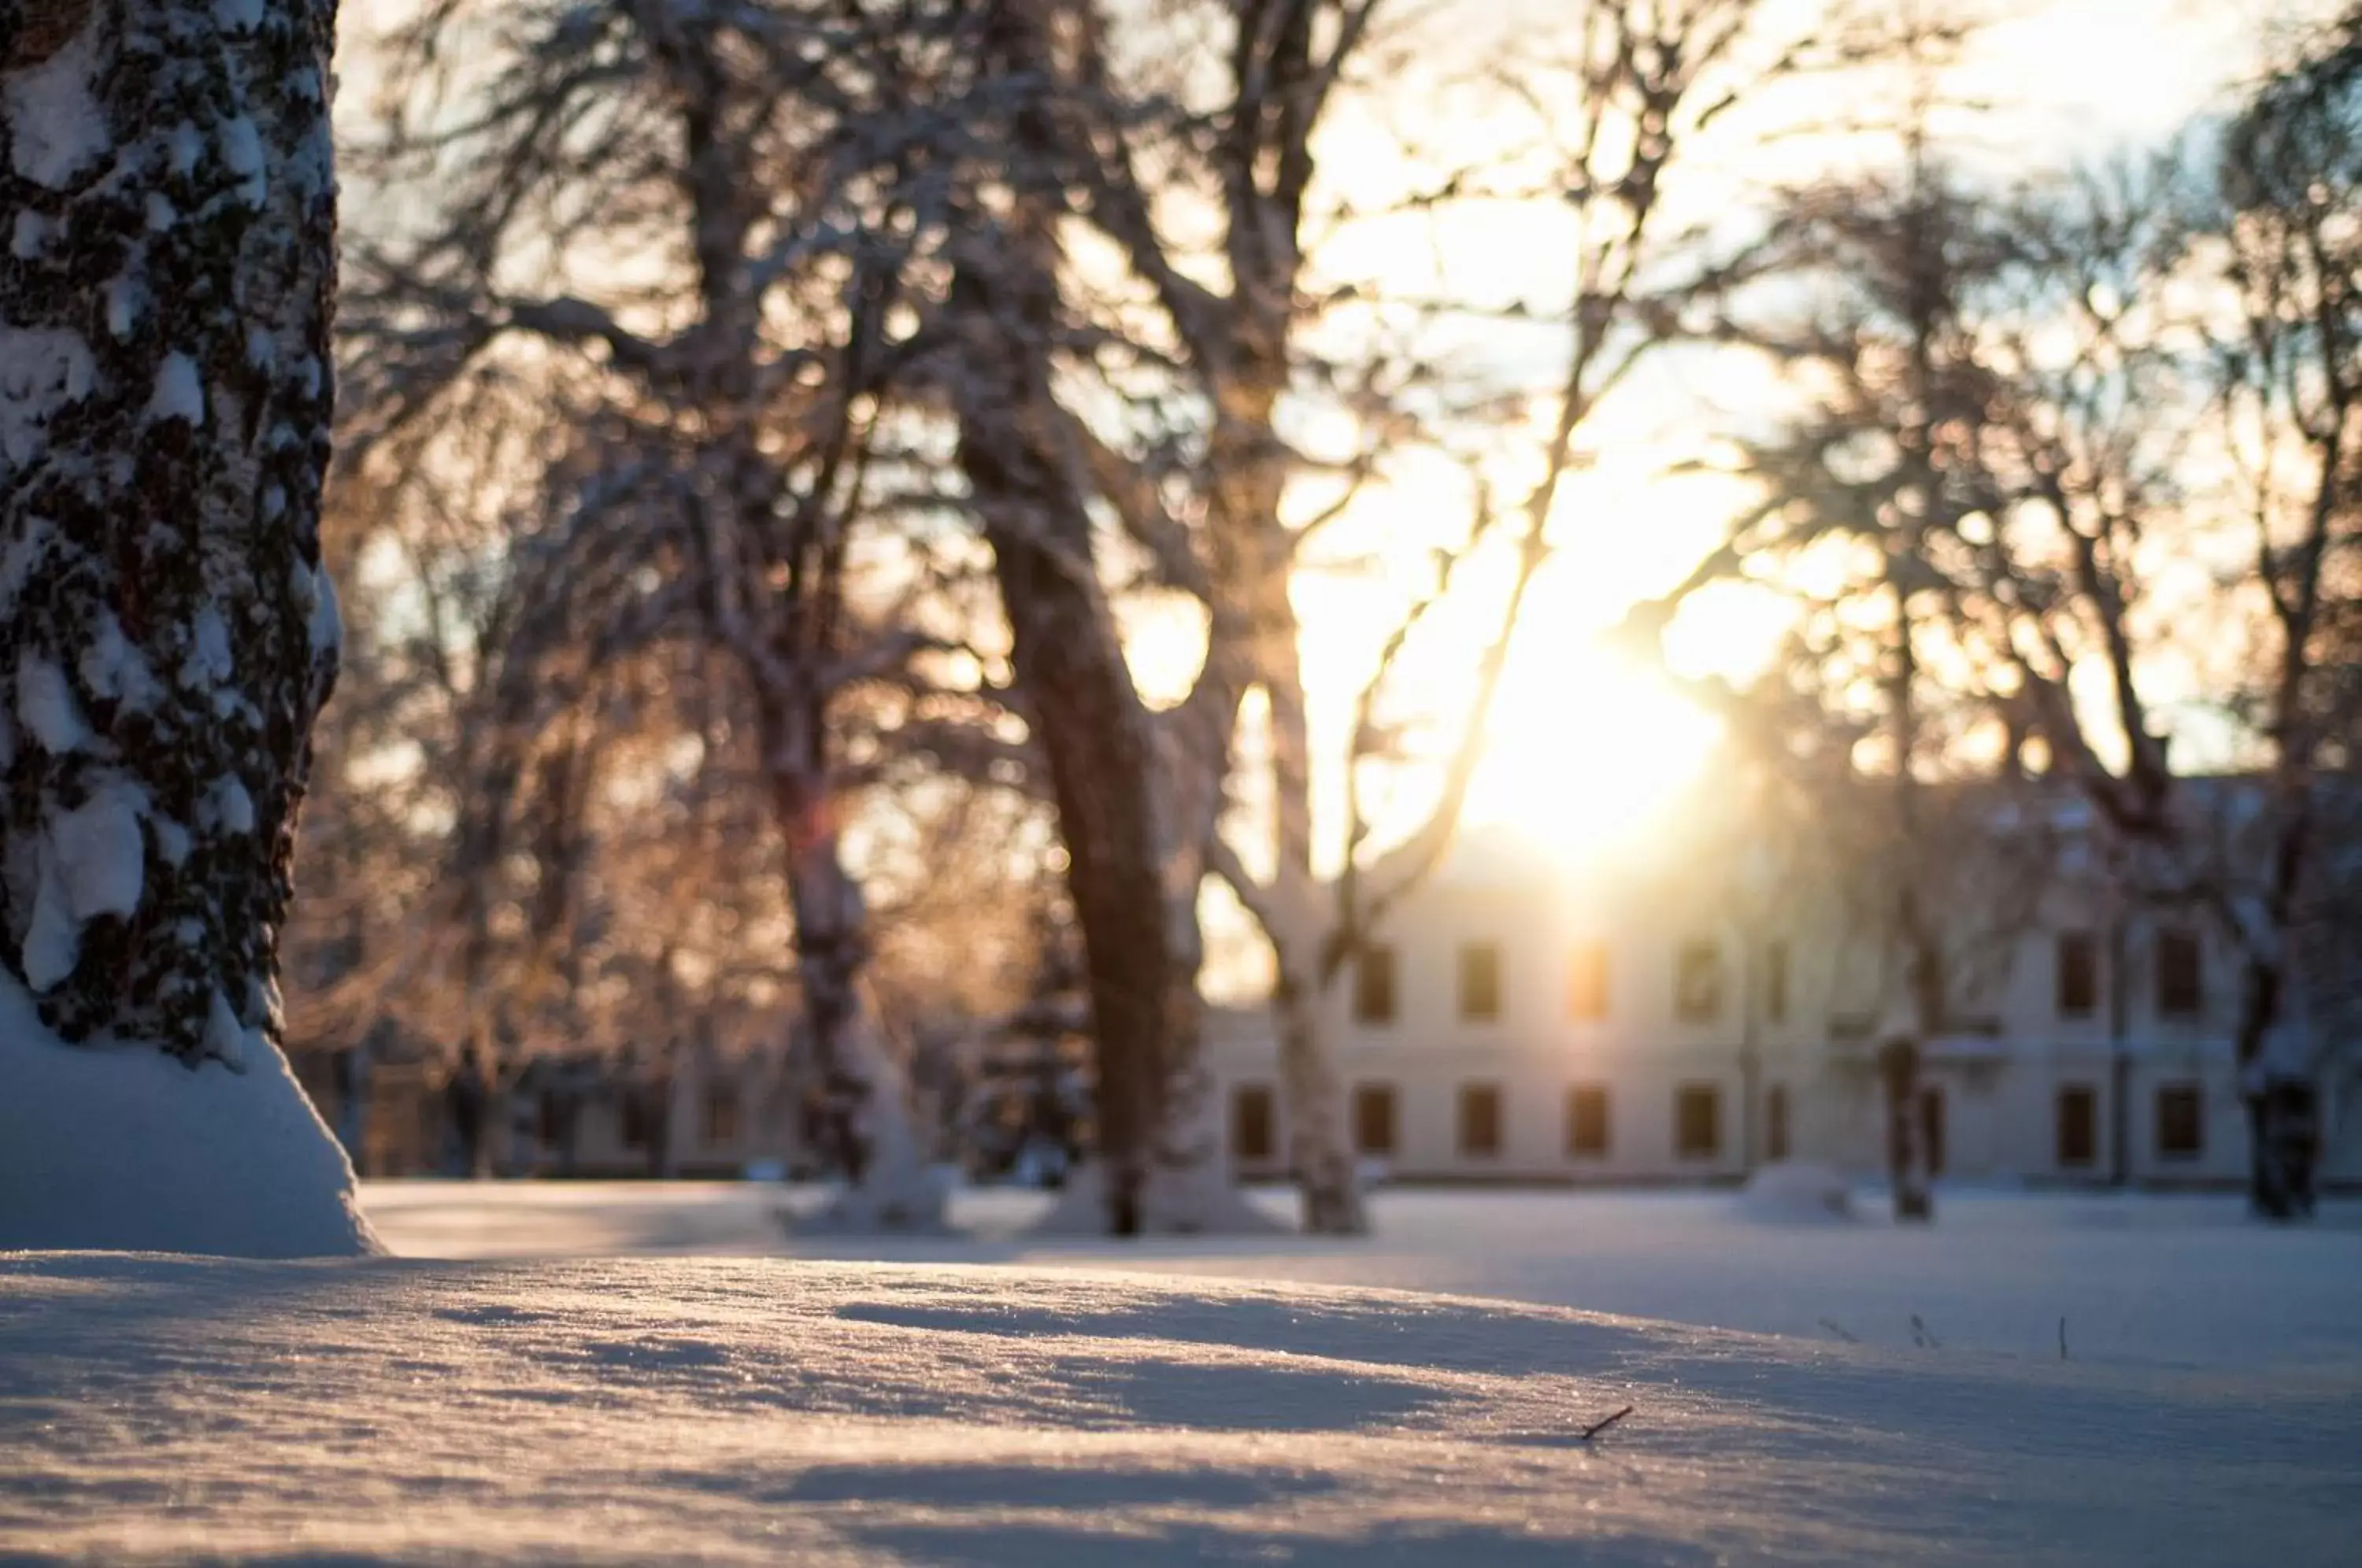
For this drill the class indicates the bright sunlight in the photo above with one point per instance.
(1587, 753)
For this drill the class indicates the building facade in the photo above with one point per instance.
(1653, 1027)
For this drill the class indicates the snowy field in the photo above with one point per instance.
(995, 1400)
(2180, 1281)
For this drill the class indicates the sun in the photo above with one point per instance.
(1586, 754)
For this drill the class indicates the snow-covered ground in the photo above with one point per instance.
(1031, 1405)
(768, 1411)
(2183, 1281)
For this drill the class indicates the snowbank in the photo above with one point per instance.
(1797, 1194)
(124, 1149)
(1203, 1202)
(762, 1411)
(908, 1200)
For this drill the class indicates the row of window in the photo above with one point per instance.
(2180, 974)
(2180, 1129)
(1700, 981)
(1697, 1122)
(2181, 1125)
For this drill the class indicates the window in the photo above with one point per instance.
(1480, 982)
(1697, 983)
(1587, 1122)
(1775, 1122)
(2078, 1126)
(1931, 1128)
(721, 1115)
(1775, 983)
(1480, 1121)
(1254, 1134)
(1697, 1122)
(2079, 973)
(2181, 1121)
(640, 1113)
(1586, 988)
(2180, 989)
(1373, 985)
(1373, 1119)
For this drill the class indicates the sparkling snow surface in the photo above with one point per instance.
(732, 1409)
(761, 1410)
(2178, 1281)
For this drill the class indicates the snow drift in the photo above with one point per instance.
(1200, 1201)
(1797, 1194)
(122, 1148)
(751, 1411)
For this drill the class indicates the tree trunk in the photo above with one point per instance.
(164, 408)
(465, 1107)
(659, 1091)
(2281, 1101)
(1903, 1055)
(1188, 1189)
(1906, 1154)
(1079, 702)
(167, 630)
(1086, 719)
(1252, 565)
(890, 1184)
(355, 1073)
(1320, 1140)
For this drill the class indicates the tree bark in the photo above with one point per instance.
(2280, 1095)
(1080, 701)
(890, 1186)
(1075, 684)
(166, 183)
(1320, 1138)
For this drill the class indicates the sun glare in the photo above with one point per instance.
(1586, 753)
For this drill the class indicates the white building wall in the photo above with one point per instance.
(2000, 1088)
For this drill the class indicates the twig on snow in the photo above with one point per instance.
(1604, 1422)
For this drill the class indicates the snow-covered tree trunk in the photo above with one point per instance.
(168, 199)
(164, 396)
(1310, 957)
(1308, 1011)
(1190, 1189)
(891, 1183)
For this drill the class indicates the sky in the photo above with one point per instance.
(1587, 747)
(1588, 754)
